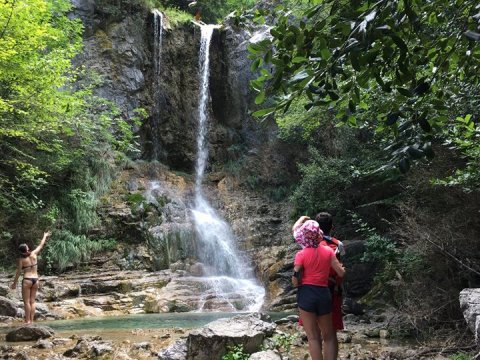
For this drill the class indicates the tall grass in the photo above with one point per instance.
(67, 249)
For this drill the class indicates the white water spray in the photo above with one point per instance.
(158, 39)
(228, 273)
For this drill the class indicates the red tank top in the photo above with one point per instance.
(316, 265)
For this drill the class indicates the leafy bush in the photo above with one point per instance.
(283, 342)
(66, 249)
(211, 11)
(395, 263)
(236, 353)
(323, 182)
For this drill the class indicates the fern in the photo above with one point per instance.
(67, 249)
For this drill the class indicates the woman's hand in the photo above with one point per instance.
(47, 234)
(14, 285)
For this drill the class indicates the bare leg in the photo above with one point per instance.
(26, 290)
(313, 334)
(33, 295)
(335, 339)
(328, 335)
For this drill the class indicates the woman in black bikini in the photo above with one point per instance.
(28, 264)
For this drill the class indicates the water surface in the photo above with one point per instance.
(140, 321)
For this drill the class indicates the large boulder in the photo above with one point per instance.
(8, 307)
(30, 333)
(470, 306)
(212, 341)
(176, 351)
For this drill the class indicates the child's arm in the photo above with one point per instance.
(297, 275)
(299, 222)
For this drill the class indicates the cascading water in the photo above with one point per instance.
(157, 62)
(227, 274)
(158, 38)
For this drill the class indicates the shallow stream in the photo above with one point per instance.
(139, 322)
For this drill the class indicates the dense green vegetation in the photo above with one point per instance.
(59, 142)
(390, 91)
(404, 69)
(367, 89)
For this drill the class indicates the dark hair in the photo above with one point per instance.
(325, 220)
(23, 248)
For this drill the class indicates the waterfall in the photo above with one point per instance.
(227, 272)
(157, 62)
(157, 45)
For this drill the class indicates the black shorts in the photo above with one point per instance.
(315, 299)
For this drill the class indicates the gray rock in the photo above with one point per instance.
(287, 320)
(43, 344)
(211, 341)
(265, 355)
(142, 345)
(4, 290)
(344, 337)
(470, 306)
(351, 306)
(8, 307)
(90, 347)
(30, 333)
(6, 319)
(176, 351)
(22, 355)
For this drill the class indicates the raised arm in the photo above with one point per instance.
(42, 243)
(17, 275)
(299, 222)
(337, 266)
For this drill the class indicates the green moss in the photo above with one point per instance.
(135, 199)
(177, 17)
(103, 40)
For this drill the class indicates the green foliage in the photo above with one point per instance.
(283, 341)
(298, 125)
(279, 193)
(37, 41)
(135, 199)
(48, 125)
(253, 181)
(323, 181)
(395, 263)
(460, 356)
(66, 249)
(176, 16)
(463, 136)
(235, 352)
(405, 69)
(212, 11)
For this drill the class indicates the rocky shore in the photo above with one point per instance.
(256, 334)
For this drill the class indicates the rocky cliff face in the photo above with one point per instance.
(116, 48)
(148, 204)
(119, 48)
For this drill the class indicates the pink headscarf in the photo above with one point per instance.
(308, 235)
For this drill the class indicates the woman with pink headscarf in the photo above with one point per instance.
(310, 274)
